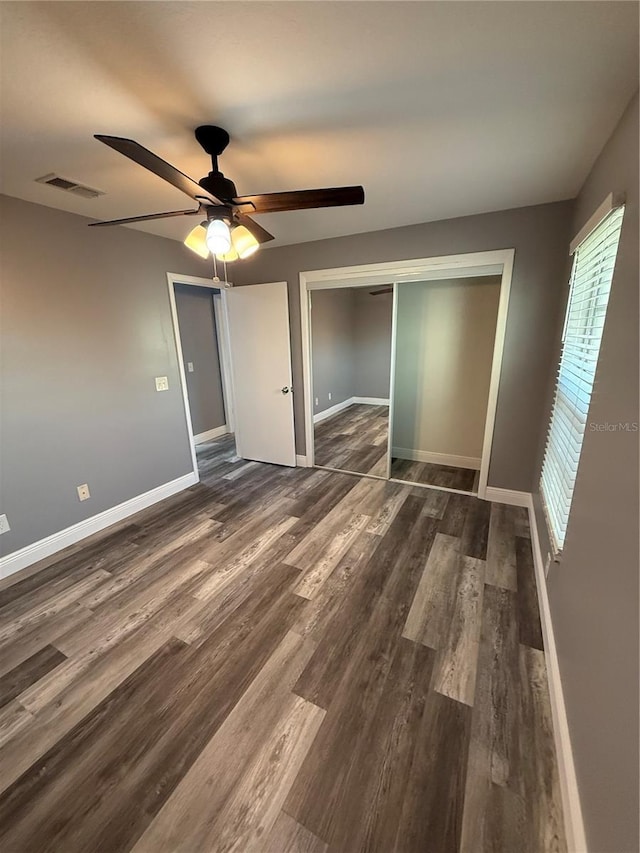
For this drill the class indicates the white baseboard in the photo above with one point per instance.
(210, 434)
(437, 458)
(302, 461)
(350, 401)
(371, 401)
(69, 536)
(507, 496)
(574, 824)
(333, 410)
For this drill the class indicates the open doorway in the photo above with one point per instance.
(201, 336)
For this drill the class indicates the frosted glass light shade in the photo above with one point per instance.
(218, 237)
(244, 242)
(229, 256)
(196, 240)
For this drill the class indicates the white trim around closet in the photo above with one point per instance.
(473, 264)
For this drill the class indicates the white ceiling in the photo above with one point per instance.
(439, 109)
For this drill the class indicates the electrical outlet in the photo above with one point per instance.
(4, 524)
(329, 394)
(83, 492)
(162, 383)
(317, 402)
(190, 366)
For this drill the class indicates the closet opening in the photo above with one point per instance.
(401, 365)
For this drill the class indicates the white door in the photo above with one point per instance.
(258, 316)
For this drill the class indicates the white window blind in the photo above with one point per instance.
(591, 276)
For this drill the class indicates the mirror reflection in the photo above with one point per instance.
(351, 358)
(445, 332)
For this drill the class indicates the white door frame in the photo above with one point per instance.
(222, 332)
(472, 264)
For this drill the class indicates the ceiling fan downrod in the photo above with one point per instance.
(214, 140)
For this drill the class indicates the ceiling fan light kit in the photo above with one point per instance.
(218, 237)
(244, 242)
(196, 240)
(229, 233)
(229, 256)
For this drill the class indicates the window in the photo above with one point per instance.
(591, 276)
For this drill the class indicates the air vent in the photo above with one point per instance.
(69, 186)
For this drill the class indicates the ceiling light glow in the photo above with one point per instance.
(244, 242)
(196, 240)
(218, 237)
(229, 256)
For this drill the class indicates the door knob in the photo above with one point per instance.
(285, 390)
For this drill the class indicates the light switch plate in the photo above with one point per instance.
(83, 492)
(162, 383)
(190, 366)
(4, 524)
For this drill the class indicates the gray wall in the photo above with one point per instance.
(538, 234)
(594, 589)
(200, 347)
(445, 335)
(332, 342)
(372, 321)
(86, 326)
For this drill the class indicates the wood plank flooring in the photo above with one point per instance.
(430, 474)
(355, 439)
(281, 660)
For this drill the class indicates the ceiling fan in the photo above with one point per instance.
(227, 231)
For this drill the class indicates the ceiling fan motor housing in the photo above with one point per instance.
(219, 186)
(219, 212)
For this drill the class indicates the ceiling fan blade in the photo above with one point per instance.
(261, 234)
(302, 199)
(381, 291)
(148, 216)
(157, 165)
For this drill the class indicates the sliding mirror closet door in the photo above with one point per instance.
(351, 367)
(445, 334)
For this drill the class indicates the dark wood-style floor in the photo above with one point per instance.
(355, 439)
(281, 660)
(429, 474)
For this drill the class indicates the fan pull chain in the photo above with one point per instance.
(215, 269)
